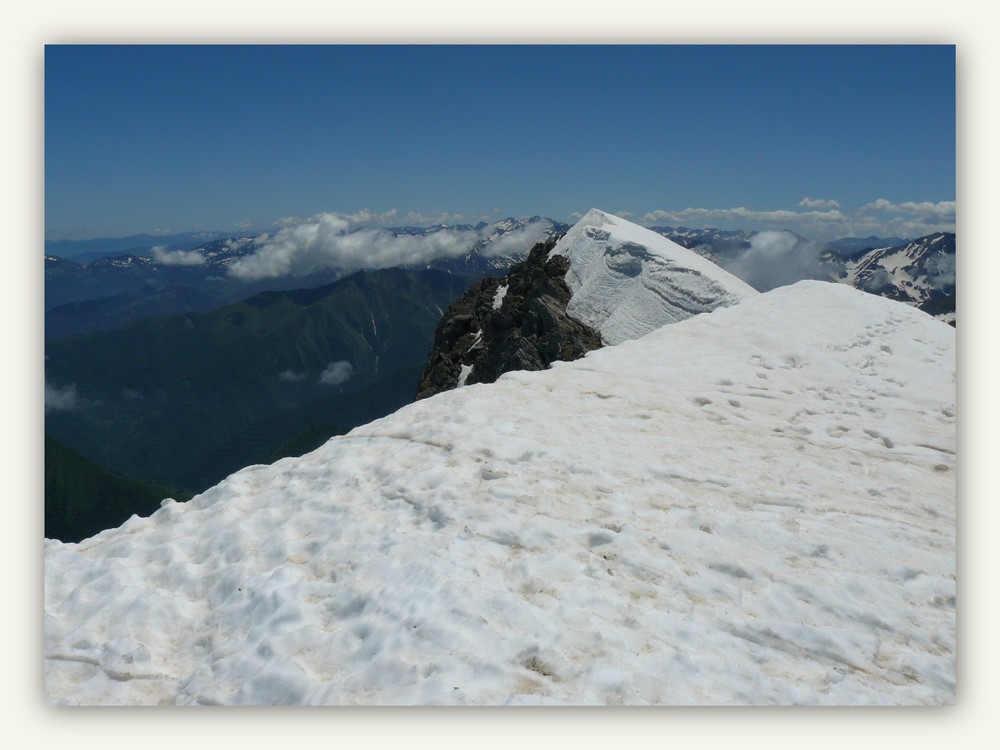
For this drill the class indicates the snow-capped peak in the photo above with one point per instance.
(627, 280)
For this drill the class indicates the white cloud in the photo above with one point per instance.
(289, 376)
(177, 257)
(900, 227)
(745, 214)
(941, 209)
(518, 241)
(941, 269)
(818, 203)
(879, 205)
(331, 240)
(337, 373)
(913, 218)
(778, 258)
(62, 398)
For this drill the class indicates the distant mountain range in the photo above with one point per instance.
(85, 251)
(109, 292)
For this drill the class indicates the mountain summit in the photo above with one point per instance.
(605, 281)
(752, 506)
(626, 280)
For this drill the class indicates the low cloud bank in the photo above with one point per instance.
(333, 240)
(177, 257)
(518, 241)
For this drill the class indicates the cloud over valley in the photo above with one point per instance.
(336, 373)
(777, 258)
(61, 398)
(167, 257)
(350, 243)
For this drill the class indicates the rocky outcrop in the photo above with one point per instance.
(518, 322)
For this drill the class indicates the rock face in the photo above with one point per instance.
(502, 324)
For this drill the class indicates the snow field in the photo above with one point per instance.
(752, 506)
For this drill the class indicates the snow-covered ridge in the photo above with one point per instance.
(627, 280)
(752, 506)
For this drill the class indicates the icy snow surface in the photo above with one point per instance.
(752, 506)
(627, 280)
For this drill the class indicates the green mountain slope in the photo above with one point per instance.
(82, 498)
(186, 399)
(302, 429)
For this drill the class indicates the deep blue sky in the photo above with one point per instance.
(157, 138)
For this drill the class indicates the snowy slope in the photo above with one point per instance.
(752, 506)
(627, 280)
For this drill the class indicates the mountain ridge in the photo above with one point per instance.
(112, 291)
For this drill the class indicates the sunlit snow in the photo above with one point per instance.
(627, 280)
(752, 506)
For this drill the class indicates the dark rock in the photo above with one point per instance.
(529, 331)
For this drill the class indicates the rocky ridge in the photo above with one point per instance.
(517, 322)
